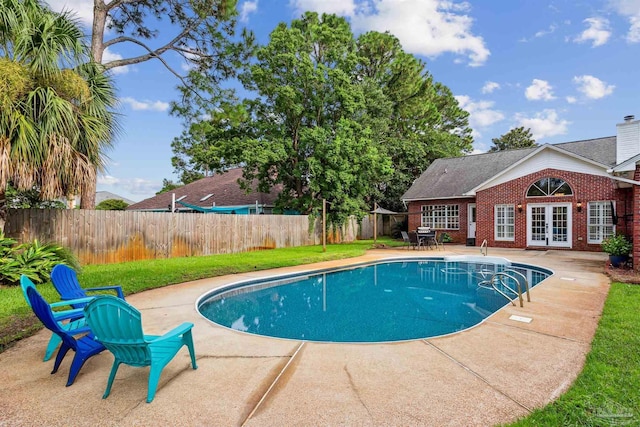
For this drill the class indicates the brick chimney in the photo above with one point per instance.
(627, 139)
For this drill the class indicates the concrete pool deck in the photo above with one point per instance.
(494, 373)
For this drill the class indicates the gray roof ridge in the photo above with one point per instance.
(583, 140)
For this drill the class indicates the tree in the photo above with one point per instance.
(424, 121)
(112, 205)
(515, 138)
(30, 199)
(57, 120)
(353, 121)
(168, 185)
(203, 38)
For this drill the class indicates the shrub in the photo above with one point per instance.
(35, 260)
(616, 245)
(112, 205)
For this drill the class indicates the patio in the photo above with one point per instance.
(493, 373)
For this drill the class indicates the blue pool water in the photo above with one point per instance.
(387, 301)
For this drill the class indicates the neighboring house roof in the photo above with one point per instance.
(222, 189)
(458, 176)
(101, 196)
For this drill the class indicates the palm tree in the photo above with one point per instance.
(57, 116)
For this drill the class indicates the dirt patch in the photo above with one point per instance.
(17, 328)
(622, 274)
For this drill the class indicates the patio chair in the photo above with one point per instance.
(405, 238)
(118, 326)
(414, 240)
(65, 280)
(440, 241)
(84, 347)
(67, 319)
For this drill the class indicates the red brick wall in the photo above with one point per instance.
(636, 220)
(585, 188)
(458, 236)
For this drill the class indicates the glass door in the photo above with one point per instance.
(549, 225)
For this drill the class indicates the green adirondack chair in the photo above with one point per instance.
(117, 325)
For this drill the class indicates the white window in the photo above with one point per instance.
(600, 222)
(441, 217)
(504, 222)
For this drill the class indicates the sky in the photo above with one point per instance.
(568, 70)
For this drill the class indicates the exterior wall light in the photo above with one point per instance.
(579, 206)
(519, 207)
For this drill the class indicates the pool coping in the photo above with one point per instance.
(496, 372)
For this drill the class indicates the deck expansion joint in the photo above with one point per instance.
(477, 375)
(273, 384)
(546, 334)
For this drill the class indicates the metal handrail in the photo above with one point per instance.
(503, 274)
(484, 245)
(526, 282)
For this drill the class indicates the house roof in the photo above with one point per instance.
(222, 188)
(101, 196)
(457, 176)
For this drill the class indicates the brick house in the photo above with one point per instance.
(562, 196)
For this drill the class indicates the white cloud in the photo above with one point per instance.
(145, 105)
(107, 180)
(543, 124)
(489, 87)
(138, 186)
(424, 27)
(83, 9)
(593, 87)
(552, 28)
(339, 7)
(571, 99)
(247, 8)
(630, 9)
(539, 90)
(597, 32)
(481, 114)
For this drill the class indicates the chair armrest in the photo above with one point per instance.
(76, 313)
(116, 288)
(66, 302)
(185, 327)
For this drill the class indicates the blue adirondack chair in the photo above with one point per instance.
(65, 280)
(118, 325)
(67, 319)
(84, 347)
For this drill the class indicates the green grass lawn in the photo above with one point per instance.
(17, 320)
(607, 391)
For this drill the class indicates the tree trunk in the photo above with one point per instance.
(88, 193)
(97, 31)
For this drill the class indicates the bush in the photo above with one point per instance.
(446, 238)
(35, 260)
(617, 245)
(112, 205)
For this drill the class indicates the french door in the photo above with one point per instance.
(549, 224)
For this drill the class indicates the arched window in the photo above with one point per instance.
(549, 187)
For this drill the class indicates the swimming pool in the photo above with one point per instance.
(393, 300)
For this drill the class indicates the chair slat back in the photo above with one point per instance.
(118, 326)
(43, 312)
(65, 280)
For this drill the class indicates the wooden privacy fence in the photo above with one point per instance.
(100, 237)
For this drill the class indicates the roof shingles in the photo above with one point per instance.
(455, 176)
(224, 187)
